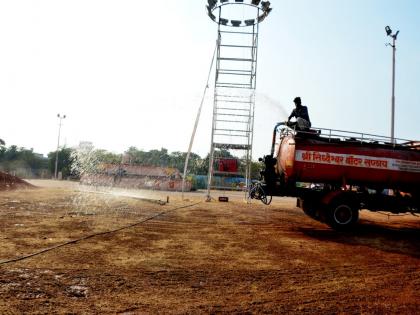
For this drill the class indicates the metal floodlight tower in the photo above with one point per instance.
(234, 92)
(394, 48)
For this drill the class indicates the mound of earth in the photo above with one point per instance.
(10, 182)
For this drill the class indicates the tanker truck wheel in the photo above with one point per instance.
(342, 215)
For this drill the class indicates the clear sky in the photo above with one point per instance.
(131, 73)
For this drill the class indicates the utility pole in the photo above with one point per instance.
(394, 49)
(60, 118)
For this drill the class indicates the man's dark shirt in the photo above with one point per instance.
(302, 112)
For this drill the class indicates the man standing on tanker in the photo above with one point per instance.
(301, 114)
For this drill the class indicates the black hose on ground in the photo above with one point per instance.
(4, 262)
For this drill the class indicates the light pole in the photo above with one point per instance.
(394, 48)
(60, 118)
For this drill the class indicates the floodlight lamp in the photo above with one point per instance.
(388, 30)
(250, 22)
(262, 17)
(236, 23)
(212, 3)
(223, 21)
(263, 8)
(212, 16)
(265, 5)
(210, 13)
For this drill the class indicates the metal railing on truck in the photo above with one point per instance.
(342, 136)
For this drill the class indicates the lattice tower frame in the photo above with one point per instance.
(234, 95)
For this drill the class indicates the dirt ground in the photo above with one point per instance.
(197, 257)
(10, 182)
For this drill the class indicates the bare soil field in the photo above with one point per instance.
(10, 182)
(125, 255)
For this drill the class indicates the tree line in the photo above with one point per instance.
(22, 162)
(73, 162)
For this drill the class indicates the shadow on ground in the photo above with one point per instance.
(393, 239)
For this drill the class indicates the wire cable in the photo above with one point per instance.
(4, 262)
(196, 123)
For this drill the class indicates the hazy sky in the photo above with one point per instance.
(131, 73)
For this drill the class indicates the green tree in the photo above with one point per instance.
(24, 162)
(2, 149)
(65, 161)
(11, 153)
(177, 160)
(202, 166)
(255, 170)
(164, 159)
(103, 156)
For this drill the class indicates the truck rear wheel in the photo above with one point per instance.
(342, 215)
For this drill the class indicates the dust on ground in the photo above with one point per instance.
(198, 258)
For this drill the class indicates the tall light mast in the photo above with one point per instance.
(234, 91)
(394, 49)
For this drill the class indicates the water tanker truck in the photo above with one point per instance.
(334, 174)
